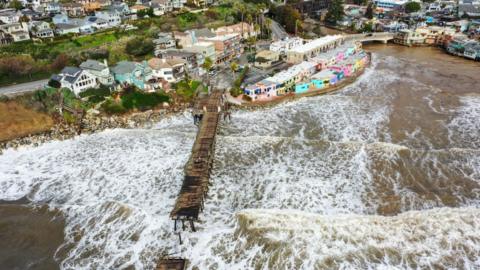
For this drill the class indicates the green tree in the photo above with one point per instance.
(15, 4)
(368, 27)
(412, 7)
(233, 67)
(335, 11)
(289, 17)
(139, 46)
(369, 11)
(359, 2)
(207, 64)
(54, 84)
(24, 19)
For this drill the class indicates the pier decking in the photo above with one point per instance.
(171, 264)
(190, 200)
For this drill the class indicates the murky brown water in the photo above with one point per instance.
(29, 237)
(372, 169)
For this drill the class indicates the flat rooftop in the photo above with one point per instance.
(319, 42)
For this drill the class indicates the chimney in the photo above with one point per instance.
(105, 62)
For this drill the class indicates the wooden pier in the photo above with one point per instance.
(192, 194)
(171, 264)
(190, 200)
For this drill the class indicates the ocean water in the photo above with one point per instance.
(384, 174)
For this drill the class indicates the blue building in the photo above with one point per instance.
(133, 73)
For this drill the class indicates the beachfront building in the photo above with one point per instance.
(203, 50)
(133, 73)
(472, 50)
(408, 37)
(189, 57)
(319, 72)
(282, 46)
(227, 47)
(170, 70)
(99, 70)
(281, 83)
(75, 79)
(164, 41)
(329, 58)
(334, 73)
(311, 49)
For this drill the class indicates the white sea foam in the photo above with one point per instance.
(115, 189)
(336, 118)
(442, 238)
(464, 127)
(332, 156)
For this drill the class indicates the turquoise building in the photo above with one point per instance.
(133, 73)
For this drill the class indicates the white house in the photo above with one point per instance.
(171, 70)
(287, 44)
(65, 28)
(9, 15)
(99, 70)
(52, 8)
(18, 31)
(96, 23)
(75, 79)
(40, 29)
(60, 18)
(204, 49)
(111, 16)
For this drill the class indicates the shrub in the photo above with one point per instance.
(96, 99)
(141, 100)
(236, 89)
(54, 84)
(186, 89)
(139, 47)
(68, 117)
(112, 107)
(212, 14)
(412, 7)
(61, 61)
(101, 91)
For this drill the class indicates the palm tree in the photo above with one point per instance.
(234, 68)
(207, 65)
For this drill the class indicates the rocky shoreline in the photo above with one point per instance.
(93, 123)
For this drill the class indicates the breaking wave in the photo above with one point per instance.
(115, 189)
(354, 180)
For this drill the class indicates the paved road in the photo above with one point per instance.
(23, 87)
(277, 31)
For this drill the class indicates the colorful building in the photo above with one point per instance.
(321, 71)
(133, 73)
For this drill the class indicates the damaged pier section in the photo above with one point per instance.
(190, 200)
